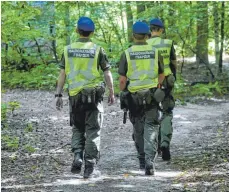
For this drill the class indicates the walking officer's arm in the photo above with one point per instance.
(122, 82)
(161, 75)
(109, 81)
(61, 81)
(60, 84)
(105, 67)
(62, 76)
(173, 58)
(122, 72)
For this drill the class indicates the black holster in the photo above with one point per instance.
(92, 95)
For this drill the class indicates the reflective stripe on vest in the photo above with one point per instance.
(81, 66)
(164, 48)
(142, 67)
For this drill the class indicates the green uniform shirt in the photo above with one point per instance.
(103, 63)
(123, 67)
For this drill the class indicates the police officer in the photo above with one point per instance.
(142, 67)
(80, 65)
(166, 48)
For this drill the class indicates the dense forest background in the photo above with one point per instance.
(34, 34)
(35, 137)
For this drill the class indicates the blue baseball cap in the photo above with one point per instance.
(140, 28)
(157, 22)
(85, 24)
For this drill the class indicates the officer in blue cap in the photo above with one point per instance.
(80, 66)
(166, 48)
(142, 67)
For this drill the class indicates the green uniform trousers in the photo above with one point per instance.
(146, 128)
(86, 121)
(166, 128)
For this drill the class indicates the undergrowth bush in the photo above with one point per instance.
(40, 77)
(8, 107)
(10, 143)
(183, 89)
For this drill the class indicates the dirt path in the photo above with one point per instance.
(200, 150)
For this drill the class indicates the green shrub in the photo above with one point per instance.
(183, 89)
(3, 111)
(29, 149)
(29, 128)
(40, 77)
(10, 142)
(6, 107)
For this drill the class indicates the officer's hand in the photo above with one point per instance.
(111, 99)
(59, 103)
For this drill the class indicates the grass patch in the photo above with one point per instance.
(10, 143)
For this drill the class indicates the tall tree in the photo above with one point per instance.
(202, 33)
(67, 22)
(52, 28)
(216, 31)
(140, 8)
(129, 20)
(222, 37)
(122, 19)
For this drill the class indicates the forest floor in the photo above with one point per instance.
(199, 148)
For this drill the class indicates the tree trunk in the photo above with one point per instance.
(202, 33)
(39, 51)
(129, 20)
(67, 23)
(216, 32)
(222, 38)
(52, 29)
(122, 19)
(140, 8)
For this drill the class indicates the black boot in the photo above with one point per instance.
(89, 168)
(150, 168)
(165, 153)
(142, 163)
(77, 163)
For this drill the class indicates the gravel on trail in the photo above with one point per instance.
(199, 149)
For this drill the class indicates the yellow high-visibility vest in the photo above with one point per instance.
(81, 66)
(142, 64)
(164, 48)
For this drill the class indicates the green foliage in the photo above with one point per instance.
(29, 128)
(40, 77)
(6, 107)
(3, 111)
(13, 105)
(183, 89)
(24, 22)
(10, 142)
(29, 148)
